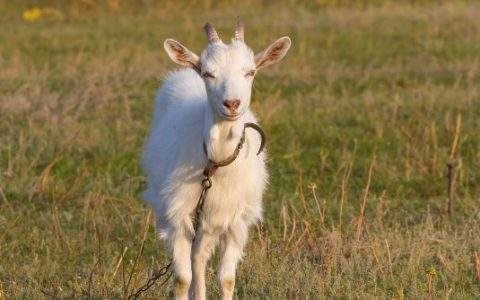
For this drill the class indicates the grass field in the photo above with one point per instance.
(362, 117)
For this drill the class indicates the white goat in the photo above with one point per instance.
(206, 106)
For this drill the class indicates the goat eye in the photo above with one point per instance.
(208, 75)
(250, 73)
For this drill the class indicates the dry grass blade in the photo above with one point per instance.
(2, 294)
(4, 198)
(477, 265)
(321, 213)
(43, 178)
(452, 165)
(361, 217)
(117, 266)
(139, 254)
(90, 279)
(451, 176)
(431, 274)
(292, 233)
(283, 217)
(343, 196)
(389, 256)
(455, 144)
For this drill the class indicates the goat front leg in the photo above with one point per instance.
(232, 243)
(203, 246)
(181, 245)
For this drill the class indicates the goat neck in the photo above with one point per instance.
(221, 136)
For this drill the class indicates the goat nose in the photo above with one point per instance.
(231, 104)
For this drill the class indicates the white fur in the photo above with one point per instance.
(189, 112)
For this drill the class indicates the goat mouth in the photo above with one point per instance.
(230, 117)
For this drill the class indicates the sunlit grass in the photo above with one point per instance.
(377, 88)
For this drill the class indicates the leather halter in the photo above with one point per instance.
(212, 166)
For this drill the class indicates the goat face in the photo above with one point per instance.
(228, 72)
(227, 69)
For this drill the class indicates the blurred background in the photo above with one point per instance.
(373, 125)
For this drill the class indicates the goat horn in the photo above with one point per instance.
(212, 34)
(239, 31)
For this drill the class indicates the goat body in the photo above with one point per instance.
(174, 160)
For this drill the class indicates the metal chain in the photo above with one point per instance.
(156, 275)
(206, 185)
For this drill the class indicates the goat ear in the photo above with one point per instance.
(181, 55)
(273, 53)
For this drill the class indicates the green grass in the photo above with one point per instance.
(383, 84)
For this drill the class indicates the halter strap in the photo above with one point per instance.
(212, 166)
